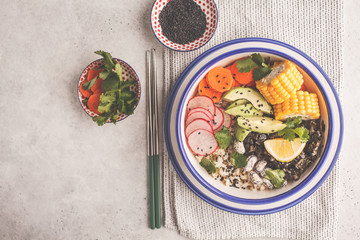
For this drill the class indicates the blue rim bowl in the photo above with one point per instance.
(183, 149)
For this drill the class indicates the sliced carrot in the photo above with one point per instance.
(220, 79)
(205, 90)
(93, 103)
(97, 85)
(85, 93)
(236, 84)
(98, 91)
(93, 73)
(242, 78)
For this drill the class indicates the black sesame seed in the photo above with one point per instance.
(182, 21)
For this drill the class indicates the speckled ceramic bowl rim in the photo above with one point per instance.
(216, 24)
(202, 181)
(137, 79)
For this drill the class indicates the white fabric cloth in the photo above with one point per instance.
(312, 26)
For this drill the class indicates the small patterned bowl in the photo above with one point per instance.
(128, 74)
(207, 6)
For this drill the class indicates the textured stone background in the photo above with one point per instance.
(61, 176)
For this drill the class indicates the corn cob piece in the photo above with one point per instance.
(283, 81)
(301, 103)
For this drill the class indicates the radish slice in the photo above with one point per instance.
(218, 119)
(202, 142)
(196, 125)
(227, 119)
(199, 109)
(203, 102)
(197, 115)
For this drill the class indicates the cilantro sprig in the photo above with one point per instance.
(116, 97)
(276, 177)
(223, 138)
(208, 165)
(292, 129)
(238, 160)
(262, 67)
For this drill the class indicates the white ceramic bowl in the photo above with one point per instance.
(238, 200)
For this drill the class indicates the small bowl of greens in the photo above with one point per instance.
(108, 89)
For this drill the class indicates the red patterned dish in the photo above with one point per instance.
(128, 74)
(207, 6)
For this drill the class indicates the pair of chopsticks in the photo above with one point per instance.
(153, 140)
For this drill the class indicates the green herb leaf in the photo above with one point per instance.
(276, 177)
(127, 95)
(292, 129)
(223, 137)
(117, 97)
(287, 133)
(109, 62)
(238, 160)
(124, 84)
(103, 75)
(293, 122)
(88, 85)
(208, 165)
(303, 133)
(246, 65)
(258, 59)
(101, 119)
(107, 99)
(115, 116)
(111, 82)
(118, 70)
(261, 72)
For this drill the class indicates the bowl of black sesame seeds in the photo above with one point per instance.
(184, 25)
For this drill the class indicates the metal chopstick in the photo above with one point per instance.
(156, 161)
(149, 128)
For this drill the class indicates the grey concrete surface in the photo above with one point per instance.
(63, 177)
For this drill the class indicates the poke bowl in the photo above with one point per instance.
(253, 146)
(92, 71)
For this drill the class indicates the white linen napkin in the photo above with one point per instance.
(316, 28)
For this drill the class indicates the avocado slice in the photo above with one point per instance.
(261, 124)
(237, 103)
(251, 95)
(244, 110)
(241, 133)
